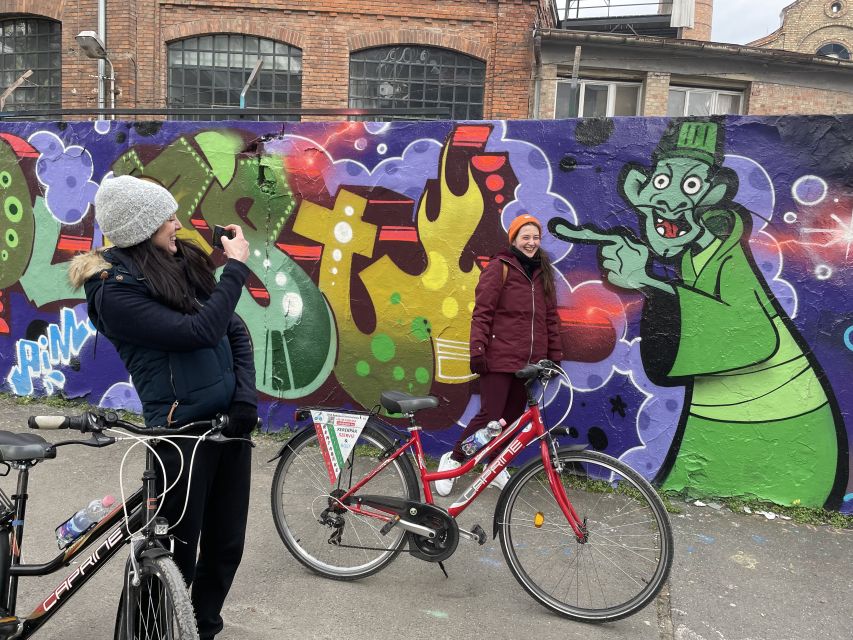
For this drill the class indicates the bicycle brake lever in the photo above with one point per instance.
(97, 440)
(219, 438)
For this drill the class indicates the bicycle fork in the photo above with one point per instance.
(553, 470)
(155, 529)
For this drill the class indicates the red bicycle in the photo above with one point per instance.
(585, 535)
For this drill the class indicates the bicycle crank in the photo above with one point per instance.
(433, 533)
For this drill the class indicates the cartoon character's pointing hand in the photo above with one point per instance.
(623, 260)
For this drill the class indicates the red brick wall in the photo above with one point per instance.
(499, 32)
(702, 17)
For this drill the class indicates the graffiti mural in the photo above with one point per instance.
(703, 271)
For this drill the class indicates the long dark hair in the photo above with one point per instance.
(547, 275)
(177, 279)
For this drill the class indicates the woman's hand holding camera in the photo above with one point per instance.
(236, 247)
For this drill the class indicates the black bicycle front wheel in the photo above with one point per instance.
(625, 559)
(319, 532)
(157, 606)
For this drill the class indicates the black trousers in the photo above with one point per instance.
(209, 538)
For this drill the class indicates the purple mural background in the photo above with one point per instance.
(368, 238)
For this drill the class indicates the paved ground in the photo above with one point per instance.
(735, 576)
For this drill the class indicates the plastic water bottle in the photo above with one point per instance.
(80, 522)
(477, 440)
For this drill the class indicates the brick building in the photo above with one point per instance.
(473, 57)
(823, 27)
(646, 70)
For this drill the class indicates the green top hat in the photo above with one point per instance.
(700, 140)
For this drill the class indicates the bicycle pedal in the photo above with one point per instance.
(476, 534)
(389, 525)
(481, 535)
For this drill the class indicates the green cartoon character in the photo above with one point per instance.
(759, 417)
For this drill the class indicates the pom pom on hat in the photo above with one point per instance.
(129, 210)
(519, 222)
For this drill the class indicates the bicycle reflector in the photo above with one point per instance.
(538, 519)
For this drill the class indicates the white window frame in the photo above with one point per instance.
(715, 94)
(611, 94)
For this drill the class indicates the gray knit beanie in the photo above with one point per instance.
(130, 210)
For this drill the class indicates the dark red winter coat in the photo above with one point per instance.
(513, 323)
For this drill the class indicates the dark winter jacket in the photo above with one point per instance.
(184, 367)
(513, 323)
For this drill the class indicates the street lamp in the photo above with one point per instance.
(92, 45)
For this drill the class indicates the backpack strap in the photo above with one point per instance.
(505, 272)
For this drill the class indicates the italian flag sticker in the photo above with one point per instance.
(337, 433)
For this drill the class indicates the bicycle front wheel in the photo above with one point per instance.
(627, 554)
(159, 607)
(319, 532)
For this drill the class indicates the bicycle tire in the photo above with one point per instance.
(628, 554)
(159, 606)
(300, 491)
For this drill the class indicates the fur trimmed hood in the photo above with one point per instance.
(85, 266)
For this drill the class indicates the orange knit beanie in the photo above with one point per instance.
(519, 222)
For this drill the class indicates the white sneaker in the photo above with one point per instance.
(444, 487)
(500, 480)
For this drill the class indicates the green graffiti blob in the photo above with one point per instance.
(382, 347)
(17, 223)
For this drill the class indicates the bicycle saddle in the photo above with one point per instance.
(24, 446)
(399, 402)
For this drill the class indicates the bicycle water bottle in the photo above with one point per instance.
(477, 440)
(80, 522)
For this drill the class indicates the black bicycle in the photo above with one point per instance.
(155, 604)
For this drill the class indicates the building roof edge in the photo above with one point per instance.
(711, 48)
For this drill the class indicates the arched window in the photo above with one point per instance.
(31, 44)
(834, 50)
(211, 71)
(414, 76)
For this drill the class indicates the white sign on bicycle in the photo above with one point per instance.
(337, 433)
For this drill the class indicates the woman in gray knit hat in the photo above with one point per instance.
(190, 358)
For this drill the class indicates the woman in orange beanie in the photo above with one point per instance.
(514, 323)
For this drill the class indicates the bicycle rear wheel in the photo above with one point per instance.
(626, 558)
(159, 607)
(301, 491)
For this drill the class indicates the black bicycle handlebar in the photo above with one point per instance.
(95, 422)
(542, 369)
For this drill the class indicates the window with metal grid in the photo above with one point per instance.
(36, 44)
(404, 77)
(834, 50)
(211, 71)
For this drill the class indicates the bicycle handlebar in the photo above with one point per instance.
(91, 421)
(542, 369)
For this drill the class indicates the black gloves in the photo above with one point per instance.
(478, 365)
(242, 419)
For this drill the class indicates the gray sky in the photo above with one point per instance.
(741, 21)
(735, 21)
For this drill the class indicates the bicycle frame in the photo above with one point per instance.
(524, 431)
(117, 530)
